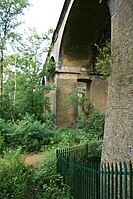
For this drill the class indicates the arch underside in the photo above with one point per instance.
(88, 24)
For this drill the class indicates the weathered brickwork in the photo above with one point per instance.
(118, 138)
(65, 107)
(98, 93)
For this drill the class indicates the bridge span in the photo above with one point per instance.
(82, 24)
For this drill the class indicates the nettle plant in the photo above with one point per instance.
(104, 59)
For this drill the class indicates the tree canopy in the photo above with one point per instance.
(9, 12)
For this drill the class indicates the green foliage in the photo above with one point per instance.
(90, 120)
(9, 12)
(67, 137)
(47, 183)
(104, 59)
(32, 50)
(94, 124)
(18, 181)
(94, 150)
(85, 107)
(23, 91)
(30, 134)
(90, 125)
(33, 135)
(49, 68)
(14, 176)
(30, 97)
(2, 144)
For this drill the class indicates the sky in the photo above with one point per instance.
(43, 14)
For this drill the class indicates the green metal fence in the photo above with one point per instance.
(93, 180)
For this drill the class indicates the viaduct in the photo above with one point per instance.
(82, 24)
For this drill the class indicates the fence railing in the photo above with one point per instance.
(94, 180)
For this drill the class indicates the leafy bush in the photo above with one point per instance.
(90, 129)
(32, 135)
(94, 151)
(67, 137)
(14, 176)
(2, 144)
(47, 183)
(28, 133)
(90, 120)
(94, 124)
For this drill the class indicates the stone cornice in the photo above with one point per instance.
(62, 15)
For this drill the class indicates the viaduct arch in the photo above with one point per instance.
(82, 24)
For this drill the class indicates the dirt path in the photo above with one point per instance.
(34, 159)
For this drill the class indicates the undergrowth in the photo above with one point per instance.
(19, 181)
(14, 176)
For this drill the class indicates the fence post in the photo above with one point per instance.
(108, 170)
(120, 167)
(116, 181)
(131, 179)
(57, 155)
(105, 181)
(125, 180)
(87, 151)
(98, 181)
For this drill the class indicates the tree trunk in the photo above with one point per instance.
(1, 84)
(15, 90)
